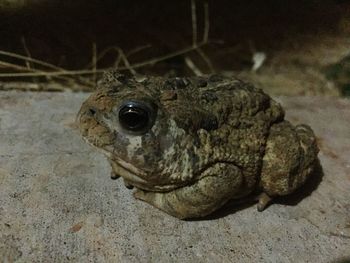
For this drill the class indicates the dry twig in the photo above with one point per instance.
(192, 66)
(194, 22)
(30, 59)
(94, 62)
(24, 43)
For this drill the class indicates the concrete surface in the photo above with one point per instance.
(58, 204)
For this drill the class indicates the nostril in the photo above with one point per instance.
(92, 111)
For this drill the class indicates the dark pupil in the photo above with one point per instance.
(133, 118)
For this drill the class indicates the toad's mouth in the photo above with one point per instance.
(130, 173)
(135, 176)
(120, 167)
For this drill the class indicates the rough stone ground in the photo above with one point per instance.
(58, 204)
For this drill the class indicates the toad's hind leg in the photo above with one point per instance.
(220, 183)
(290, 156)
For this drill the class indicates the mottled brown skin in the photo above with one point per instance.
(209, 140)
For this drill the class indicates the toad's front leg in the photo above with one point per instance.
(115, 175)
(220, 183)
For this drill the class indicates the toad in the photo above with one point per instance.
(189, 145)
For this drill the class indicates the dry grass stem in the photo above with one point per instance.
(50, 73)
(50, 86)
(117, 61)
(138, 49)
(167, 56)
(194, 22)
(24, 43)
(36, 61)
(192, 66)
(100, 56)
(14, 66)
(206, 23)
(121, 56)
(94, 62)
(206, 59)
(126, 62)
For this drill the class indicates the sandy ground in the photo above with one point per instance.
(58, 203)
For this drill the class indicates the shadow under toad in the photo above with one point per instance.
(341, 260)
(293, 199)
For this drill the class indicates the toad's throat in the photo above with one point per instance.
(127, 171)
(133, 175)
(120, 167)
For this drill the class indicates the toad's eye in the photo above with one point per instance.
(136, 116)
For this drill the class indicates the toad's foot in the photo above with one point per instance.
(114, 176)
(263, 201)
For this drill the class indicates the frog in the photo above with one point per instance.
(189, 145)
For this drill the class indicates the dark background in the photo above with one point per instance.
(63, 33)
